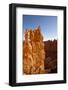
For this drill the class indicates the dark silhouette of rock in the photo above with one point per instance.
(51, 55)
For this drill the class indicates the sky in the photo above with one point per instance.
(48, 25)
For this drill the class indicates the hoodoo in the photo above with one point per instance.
(33, 52)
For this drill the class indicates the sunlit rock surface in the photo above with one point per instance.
(33, 52)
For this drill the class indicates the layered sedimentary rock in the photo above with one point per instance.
(33, 52)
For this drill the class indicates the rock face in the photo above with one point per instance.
(33, 52)
(51, 56)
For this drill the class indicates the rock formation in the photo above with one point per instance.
(33, 52)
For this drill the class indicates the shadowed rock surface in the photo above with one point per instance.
(51, 56)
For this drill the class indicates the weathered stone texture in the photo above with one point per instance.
(33, 52)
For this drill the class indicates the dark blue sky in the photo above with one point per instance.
(48, 25)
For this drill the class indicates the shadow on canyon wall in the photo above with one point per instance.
(51, 56)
